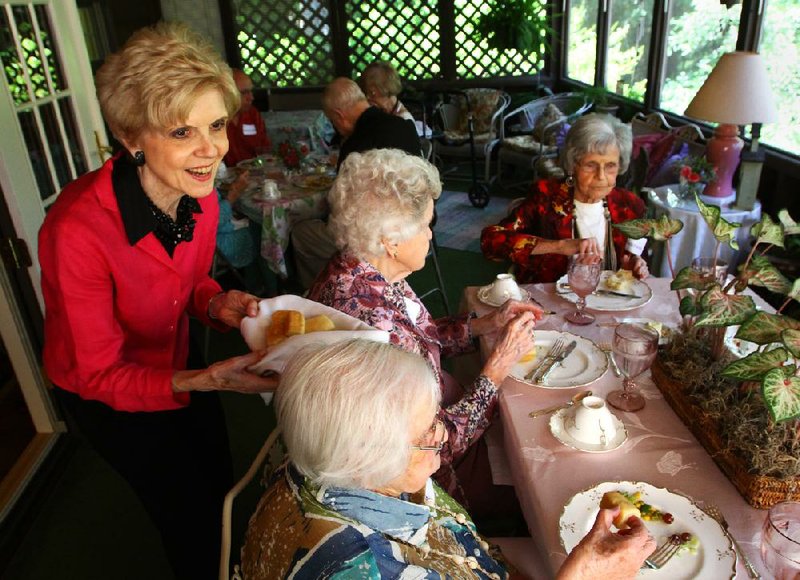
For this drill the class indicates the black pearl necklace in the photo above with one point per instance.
(172, 232)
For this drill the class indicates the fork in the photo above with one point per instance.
(555, 350)
(606, 348)
(714, 512)
(663, 553)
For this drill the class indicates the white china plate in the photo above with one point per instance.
(483, 296)
(260, 161)
(583, 366)
(607, 302)
(559, 427)
(664, 336)
(316, 181)
(715, 558)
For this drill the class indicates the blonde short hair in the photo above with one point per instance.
(381, 194)
(345, 410)
(155, 79)
(381, 77)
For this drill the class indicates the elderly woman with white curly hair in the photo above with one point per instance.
(574, 216)
(381, 209)
(355, 499)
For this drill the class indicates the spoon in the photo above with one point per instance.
(576, 398)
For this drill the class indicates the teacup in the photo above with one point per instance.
(504, 288)
(593, 422)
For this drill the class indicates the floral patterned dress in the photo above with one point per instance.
(548, 214)
(357, 288)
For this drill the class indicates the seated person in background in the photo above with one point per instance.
(381, 83)
(363, 127)
(247, 135)
(381, 208)
(565, 217)
(234, 241)
(355, 499)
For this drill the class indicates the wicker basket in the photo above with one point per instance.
(760, 491)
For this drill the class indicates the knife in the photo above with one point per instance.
(560, 358)
(566, 289)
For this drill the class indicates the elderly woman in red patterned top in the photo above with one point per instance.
(381, 209)
(562, 218)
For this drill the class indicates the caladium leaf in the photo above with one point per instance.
(790, 227)
(721, 309)
(767, 232)
(721, 228)
(781, 394)
(791, 338)
(689, 278)
(754, 366)
(795, 291)
(765, 328)
(763, 273)
(688, 306)
(659, 229)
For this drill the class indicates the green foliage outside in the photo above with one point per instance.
(15, 71)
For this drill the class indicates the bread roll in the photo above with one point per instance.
(612, 499)
(319, 323)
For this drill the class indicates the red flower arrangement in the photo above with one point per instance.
(695, 173)
(291, 154)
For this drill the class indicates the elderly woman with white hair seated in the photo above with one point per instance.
(381, 208)
(355, 499)
(574, 216)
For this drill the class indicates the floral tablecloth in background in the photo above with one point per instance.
(278, 216)
(309, 125)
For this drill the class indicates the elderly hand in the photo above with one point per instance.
(232, 306)
(515, 340)
(237, 187)
(636, 264)
(570, 247)
(499, 318)
(603, 554)
(227, 375)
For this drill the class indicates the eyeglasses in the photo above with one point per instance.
(593, 168)
(436, 428)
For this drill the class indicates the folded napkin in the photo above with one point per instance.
(254, 331)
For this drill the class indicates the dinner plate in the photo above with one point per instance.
(314, 181)
(608, 302)
(483, 296)
(665, 333)
(583, 366)
(715, 558)
(260, 161)
(559, 427)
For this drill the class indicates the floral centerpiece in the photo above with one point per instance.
(293, 154)
(696, 171)
(745, 411)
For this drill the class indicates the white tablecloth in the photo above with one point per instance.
(695, 239)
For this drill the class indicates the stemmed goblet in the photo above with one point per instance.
(583, 276)
(634, 350)
(780, 541)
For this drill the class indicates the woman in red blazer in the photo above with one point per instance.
(562, 218)
(125, 253)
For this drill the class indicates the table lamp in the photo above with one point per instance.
(735, 93)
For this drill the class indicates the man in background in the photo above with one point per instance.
(247, 135)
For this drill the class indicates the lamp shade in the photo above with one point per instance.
(736, 92)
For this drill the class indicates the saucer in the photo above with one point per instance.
(483, 296)
(559, 428)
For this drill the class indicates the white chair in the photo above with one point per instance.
(268, 449)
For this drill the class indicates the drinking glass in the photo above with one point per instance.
(711, 267)
(780, 541)
(634, 350)
(583, 276)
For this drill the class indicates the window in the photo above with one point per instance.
(629, 48)
(582, 51)
(780, 45)
(698, 33)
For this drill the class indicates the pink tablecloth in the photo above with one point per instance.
(660, 449)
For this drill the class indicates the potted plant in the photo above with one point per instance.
(600, 96)
(521, 25)
(743, 410)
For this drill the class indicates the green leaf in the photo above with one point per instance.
(795, 291)
(763, 273)
(767, 231)
(782, 395)
(754, 366)
(765, 328)
(721, 309)
(660, 229)
(689, 278)
(790, 227)
(688, 306)
(720, 227)
(791, 338)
